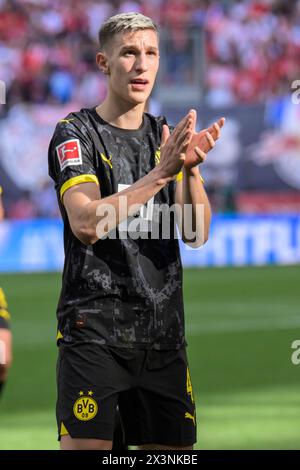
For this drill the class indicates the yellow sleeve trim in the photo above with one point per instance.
(180, 176)
(77, 180)
(1, 190)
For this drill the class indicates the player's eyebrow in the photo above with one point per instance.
(152, 48)
(126, 47)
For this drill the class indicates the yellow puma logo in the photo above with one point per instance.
(106, 160)
(189, 416)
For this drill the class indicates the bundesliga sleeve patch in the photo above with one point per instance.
(69, 153)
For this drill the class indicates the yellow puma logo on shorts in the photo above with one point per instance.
(189, 416)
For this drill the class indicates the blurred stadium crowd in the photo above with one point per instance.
(47, 56)
(47, 47)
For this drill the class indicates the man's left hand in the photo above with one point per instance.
(202, 142)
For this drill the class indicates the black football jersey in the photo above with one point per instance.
(120, 291)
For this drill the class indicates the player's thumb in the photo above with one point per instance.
(193, 114)
(165, 135)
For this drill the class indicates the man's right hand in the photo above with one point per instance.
(174, 147)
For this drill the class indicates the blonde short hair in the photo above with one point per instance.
(122, 23)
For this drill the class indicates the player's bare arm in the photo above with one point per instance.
(190, 189)
(83, 202)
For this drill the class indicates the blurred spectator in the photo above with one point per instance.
(251, 47)
(47, 46)
(23, 208)
(62, 85)
(47, 57)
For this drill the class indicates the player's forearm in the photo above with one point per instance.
(102, 216)
(195, 214)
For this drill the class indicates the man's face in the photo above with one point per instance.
(132, 61)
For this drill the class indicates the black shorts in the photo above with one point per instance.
(151, 388)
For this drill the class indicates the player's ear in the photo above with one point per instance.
(102, 62)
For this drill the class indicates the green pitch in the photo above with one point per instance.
(240, 326)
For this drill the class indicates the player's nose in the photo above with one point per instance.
(141, 63)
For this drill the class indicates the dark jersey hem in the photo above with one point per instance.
(139, 346)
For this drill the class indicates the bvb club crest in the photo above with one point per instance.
(85, 407)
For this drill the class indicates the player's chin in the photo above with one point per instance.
(138, 98)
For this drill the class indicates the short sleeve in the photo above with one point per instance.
(70, 156)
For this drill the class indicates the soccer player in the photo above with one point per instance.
(5, 333)
(120, 313)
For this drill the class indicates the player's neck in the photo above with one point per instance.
(121, 114)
